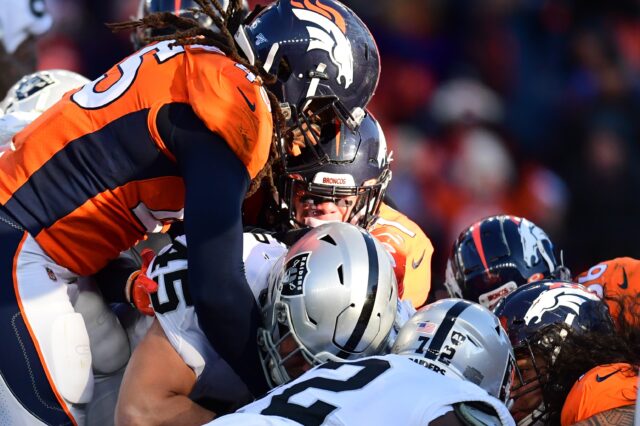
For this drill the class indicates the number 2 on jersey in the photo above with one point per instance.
(316, 413)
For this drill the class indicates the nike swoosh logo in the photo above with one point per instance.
(252, 107)
(416, 263)
(603, 378)
(625, 283)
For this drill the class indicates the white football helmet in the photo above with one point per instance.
(461, 339)
(334, 293)
(31, 96)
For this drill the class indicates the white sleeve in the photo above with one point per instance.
(21, 18)
(177, 316)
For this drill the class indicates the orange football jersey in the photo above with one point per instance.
(91, 176)
(411, 250)
(601, 389)
(613, 278)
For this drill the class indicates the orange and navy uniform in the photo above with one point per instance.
(602, 388)
(92, 175)
(612, 280)
(411, 250)
(168, 132)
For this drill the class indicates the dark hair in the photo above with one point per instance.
(580, 352)
(186, 31)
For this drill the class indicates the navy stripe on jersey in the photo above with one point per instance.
(19, 362)
(120, 152)
(372, 293)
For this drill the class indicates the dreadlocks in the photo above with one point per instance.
(580, 352)
(187, 31)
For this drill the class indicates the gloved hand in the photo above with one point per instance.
(140, 286)
(395, 245)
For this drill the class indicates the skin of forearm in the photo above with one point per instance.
(174, 410)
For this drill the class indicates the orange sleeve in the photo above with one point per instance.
(409, 244)
(232, 103)
(601, 389)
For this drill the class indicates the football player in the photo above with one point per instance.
(608, 391)
(613, 280)
(331, 296)
(530, 315)
(176, 130)
(494, 256)
(596, 373)
(452, 364)
(348, 183)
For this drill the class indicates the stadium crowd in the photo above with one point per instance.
(284, 213)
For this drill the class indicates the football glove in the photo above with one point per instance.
(140, 286)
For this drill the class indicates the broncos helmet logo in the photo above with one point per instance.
(531, 238)
(555, 298)
(328, 35)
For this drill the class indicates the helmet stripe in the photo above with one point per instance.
(445, 327)
(372, 293)
(477, 240)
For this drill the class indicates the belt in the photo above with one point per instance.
(5, 217)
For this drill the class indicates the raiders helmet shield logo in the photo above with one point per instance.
(295, 272)
(33, 85)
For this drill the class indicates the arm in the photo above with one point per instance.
(215, 184)
(112, 278)
(156, 386)
(622, 416)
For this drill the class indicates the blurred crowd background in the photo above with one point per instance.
(527, 107)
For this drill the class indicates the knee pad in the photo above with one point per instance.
(71, 359)
(110, 349)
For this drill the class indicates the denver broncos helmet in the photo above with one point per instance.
(325, 59)
(528, 315)
(356, 175)
(494, 256)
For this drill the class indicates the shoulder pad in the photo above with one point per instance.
(476, 413)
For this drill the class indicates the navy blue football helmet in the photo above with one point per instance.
(531, 315)
(354, 178)
(325, 59)
(494, 256)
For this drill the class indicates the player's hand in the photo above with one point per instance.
(140, 286)
(394, 243)
(296, 138)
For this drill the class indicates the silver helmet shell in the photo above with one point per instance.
(461, 339)
(334, 293)
(37, 92)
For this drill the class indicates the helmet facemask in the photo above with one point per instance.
(281, 345)
(306, 125)
(531, 374)
(351, 183)
(358, 205)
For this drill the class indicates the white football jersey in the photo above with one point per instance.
(175, 312)
(19, 19)
(380, 390)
